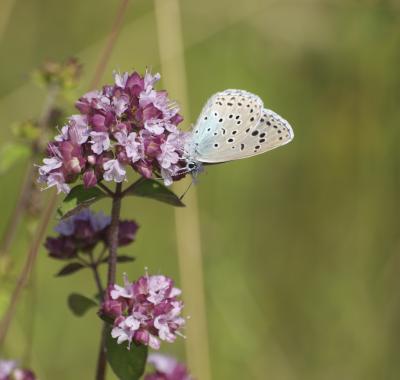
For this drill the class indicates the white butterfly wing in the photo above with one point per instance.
(272, 132)
(224, 141)
(224, 121)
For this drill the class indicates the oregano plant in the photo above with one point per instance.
(126, 126)
(131, 126)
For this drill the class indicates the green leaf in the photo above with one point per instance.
(80, 304)
(120, 259)
(127, 364)
(69, 269)
(150, 188)
(79, 198)
(10, 153)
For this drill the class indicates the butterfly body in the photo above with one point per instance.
(234, 125)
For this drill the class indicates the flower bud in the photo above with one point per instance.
(89, 179)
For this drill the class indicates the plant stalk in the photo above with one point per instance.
(112, 267)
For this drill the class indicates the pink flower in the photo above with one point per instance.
(169, 154)
(150, 311)
(122, 292)
(114, 171)
(125, 330)
(130, 144)
(50, 164)
(100, 142)
(121, 79)
(167, 368)
(64, 135)
(57, 179)
(120, 104)
(78, 129)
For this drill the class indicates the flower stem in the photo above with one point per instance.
(113, 234)
(112, 267)
(106, 189)
(96, 275)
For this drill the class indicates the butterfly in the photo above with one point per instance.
(233, 125)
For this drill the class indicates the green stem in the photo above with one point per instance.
(112, 268)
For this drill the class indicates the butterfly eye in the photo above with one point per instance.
(191, 166)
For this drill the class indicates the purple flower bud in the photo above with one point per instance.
(135, 84)
(177, 119)
(144, 168)
(62, 248)
(112, 309)
(127, 232)
(151, 112)
(72, 166)
(89, 179)
(98, 123)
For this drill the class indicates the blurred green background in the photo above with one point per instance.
(301, 245)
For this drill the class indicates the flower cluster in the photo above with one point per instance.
(167, 368)
(83, 231)
(125, 124)
(9, 370)
(145, 311)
